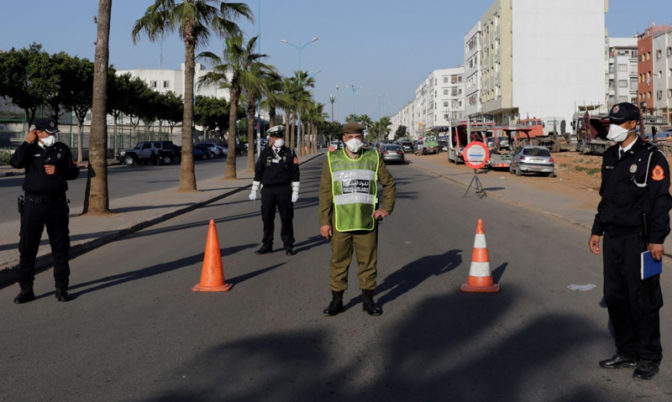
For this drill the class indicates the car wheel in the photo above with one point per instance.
(176, 159)
(128, 160)
(165, 159)
(518, 172)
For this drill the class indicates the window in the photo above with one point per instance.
(669, 93)
(669, 51)
(445, 80)
(166, 84)
(659, 54)
(445, 91)
(623, 98)
(152, 84)
(445, 103)
(622, 83)
(623, 68)
(659, 95)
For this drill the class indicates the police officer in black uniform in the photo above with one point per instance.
(48, 164)
(277, 169)
(632, 216)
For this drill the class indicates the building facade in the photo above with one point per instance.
(621, 77)
(536, 65)
(472, 72)
(654, 48)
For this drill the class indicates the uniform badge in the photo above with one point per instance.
(657, 173)
(296, 160)
(633, 168)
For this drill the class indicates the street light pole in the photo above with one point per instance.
(259, 125)
(299, 47)
(354, 88)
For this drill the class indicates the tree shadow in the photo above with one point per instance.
(145, 207)
(313, 241)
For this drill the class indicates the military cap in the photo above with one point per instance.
(47, 124)
(622, 112)
(353, 128)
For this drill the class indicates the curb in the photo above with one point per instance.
(42, 263)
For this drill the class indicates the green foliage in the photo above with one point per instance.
(212, 113)
(401, 132)
(333, 130)
(5, 156)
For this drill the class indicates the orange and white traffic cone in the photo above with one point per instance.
(212, 273)
(480, 279)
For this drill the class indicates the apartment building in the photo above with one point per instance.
(621, 74)
(438, 100)
(541, 59)
(472, 72)
(654, 48)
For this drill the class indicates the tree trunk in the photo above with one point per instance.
(287, 127)
(230, 172)
(80, 139)
(98, 199)
(250, 134)
(187, 174)
(292, 128)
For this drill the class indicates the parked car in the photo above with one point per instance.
(199, 153)
(406, 146)
(392, 153)
(213, 149)
(154, 152)
(533, 159)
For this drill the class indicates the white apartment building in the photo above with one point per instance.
(541, 58)
(621, 70)
(163, 80)
(472, 72)
(662, 74)
(438, 99)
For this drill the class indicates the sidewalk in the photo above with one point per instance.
(130, 214)
(513, 190)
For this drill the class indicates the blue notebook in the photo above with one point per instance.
(650, 267)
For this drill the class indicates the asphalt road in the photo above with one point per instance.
(122, 181)
(137, 332)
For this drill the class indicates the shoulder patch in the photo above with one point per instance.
(296, 160)
(657, 173)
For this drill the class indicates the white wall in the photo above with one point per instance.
(558, 56)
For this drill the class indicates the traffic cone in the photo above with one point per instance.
(212, 274)
(480, 279)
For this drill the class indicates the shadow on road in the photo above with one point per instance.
(446, 348)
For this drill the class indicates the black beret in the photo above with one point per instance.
(47, 124)
(353, 128)
(622, 112)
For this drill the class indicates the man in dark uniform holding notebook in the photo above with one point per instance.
(633, 216)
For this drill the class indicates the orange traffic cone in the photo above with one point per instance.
(212, 274)
(480, 279)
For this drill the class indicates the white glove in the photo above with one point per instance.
(295, 191)
(253, 191)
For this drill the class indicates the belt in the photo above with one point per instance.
(44, 199)
(623, 230)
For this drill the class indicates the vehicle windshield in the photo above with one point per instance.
(392, 147)
(536, 152)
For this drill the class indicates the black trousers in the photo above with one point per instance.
(280, 197)
(55, 215)
(633, 303)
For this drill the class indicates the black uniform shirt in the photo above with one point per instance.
(623, 201)
(273, 169)
(33, 157)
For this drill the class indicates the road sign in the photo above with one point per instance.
(476, 155)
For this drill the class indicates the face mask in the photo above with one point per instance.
(617, 133)
(278, 143)
(47, 142)
(354, 145)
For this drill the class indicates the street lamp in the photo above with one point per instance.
(354, 88)
(299, 47)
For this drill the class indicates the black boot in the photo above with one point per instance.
(336, 305)
(62, 295)
(264, 249)
(290, 250)
(24, 296)
(368, 304)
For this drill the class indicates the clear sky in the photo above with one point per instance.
(383, 47)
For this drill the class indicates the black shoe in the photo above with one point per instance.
(62, 295)
(264, 250)
(618, 361)
(369, 305)
(646, 369)
(336, 305)
(290, 251)
(24, 296)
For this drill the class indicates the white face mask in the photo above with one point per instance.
(354, 145)
(617, 133)
(279, 142)
(48, 141)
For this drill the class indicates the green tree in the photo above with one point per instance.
(232, 71)
(97, 199)
(77, 94)
(26, 77)
(193, 19)
(254, 85)
(401, 132)
(212, 113)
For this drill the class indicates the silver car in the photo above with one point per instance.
(533, 159)
(392, 153)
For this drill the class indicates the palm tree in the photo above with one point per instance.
(193, 19)
(97, 199)
(232, 71)
(254, 84)
(301, 98)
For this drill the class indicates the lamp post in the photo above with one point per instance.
(354, 88)
(299, 47)
(259, 124)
